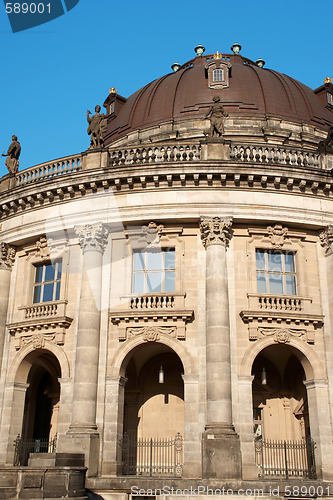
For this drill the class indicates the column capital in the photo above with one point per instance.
(326, 239)
(92, 237)
(7, 256)
(215, 231)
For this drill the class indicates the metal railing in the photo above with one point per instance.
(286, 459)
(152, 456)
(23, 448)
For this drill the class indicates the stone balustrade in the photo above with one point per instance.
(49, 170)
(282, 156)
(157, 154)
(44, 310)
(157, 301)
(269, 302)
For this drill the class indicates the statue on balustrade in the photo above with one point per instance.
(326, 146)
(13, 154)
(216, 114)
(97, 127)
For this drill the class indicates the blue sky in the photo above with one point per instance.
(51, 74)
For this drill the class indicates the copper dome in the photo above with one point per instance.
(253, 92)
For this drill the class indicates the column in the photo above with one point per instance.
(93, 240)
(7, 256)
(221, 448)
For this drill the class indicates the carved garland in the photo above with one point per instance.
(152, 333)
(281, 335)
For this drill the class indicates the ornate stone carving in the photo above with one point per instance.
(152, 333)
(7, 256)
(43, 248)
(92, 237)
(216, 114)
(97, 127)
(277, 234)
(281, 335)
(151, 234)
(13, 154)
(215, 230)
(326, 239)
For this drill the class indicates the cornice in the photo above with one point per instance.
(227, 175)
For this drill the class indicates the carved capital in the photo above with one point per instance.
(215, 231)
(326, 239)
(7, 256)
(92, 237)
(277, 234)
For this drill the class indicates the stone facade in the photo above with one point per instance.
(178, 294)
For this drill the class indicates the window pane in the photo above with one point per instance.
(260, 260)
(138, 283)
(36, 294)
(261, 283)
(290, 285)
(169, 259)
(154, 261)
(48, 292)
(139, 261)
(169, 282)
(59, 270)
(57, 295)
(154, 282)
(274, 262)
(275, 283)
(49, 273)
(39, 274)
(289, 263)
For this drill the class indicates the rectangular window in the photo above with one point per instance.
(218, 75)
(275, 272)
(47, 282)
(154, 271)
(330, 98)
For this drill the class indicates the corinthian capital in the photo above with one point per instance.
(215, 231)
(7, 256)
(326, 239)
(92, 237)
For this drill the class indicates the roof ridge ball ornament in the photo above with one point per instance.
(112, 90)
(260, 62)
(217, 56)
(236, 48)
(199, 49)
(175, 67)
(328, 80)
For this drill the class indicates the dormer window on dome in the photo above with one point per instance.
(217, 72)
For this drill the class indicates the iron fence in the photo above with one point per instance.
(286, 459)
(152, 456)
(23, 448)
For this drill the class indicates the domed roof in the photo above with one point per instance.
(252, 92)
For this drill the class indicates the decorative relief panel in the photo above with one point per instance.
(281, 335)
(276, 236)
(151, 333)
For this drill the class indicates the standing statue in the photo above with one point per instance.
(97, 126)
(326, 146)
(13, 154)
(216, 114)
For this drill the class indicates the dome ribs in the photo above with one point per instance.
(261, 86)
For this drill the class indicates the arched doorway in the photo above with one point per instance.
(153, 421)
(41, 406)
(280, 414)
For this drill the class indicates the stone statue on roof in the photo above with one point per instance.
(326, 146)
(216, 114)
(97, 126)
(13, 154)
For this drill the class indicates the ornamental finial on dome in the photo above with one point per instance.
(217, 56)
(112, 90)
(328, 80)
(236, 48)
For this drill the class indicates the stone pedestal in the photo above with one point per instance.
(221, 455)
(215, 149)
(95, 158)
